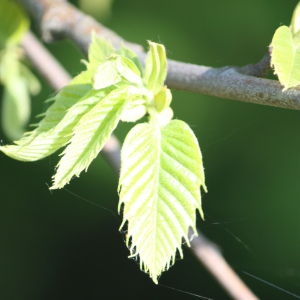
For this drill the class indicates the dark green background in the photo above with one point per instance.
(56, 245)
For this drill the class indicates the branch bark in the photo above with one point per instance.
(59, 19)
(210, 256)
(36, 53)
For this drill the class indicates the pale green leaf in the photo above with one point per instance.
(89, 137)
(116, 69)
(55, 130)
(162, 99)
(128, 70)
(134, 111)
(32, 81)
(99, 51)
(15, 108)
(18, 83)
(131, 55)
(136, 105)
(156, 67)
(106, 75)
(13, 23)
(295, 23)
(16, 101)
(161, 175)
(285, 57)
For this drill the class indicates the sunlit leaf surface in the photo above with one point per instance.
(160, 183)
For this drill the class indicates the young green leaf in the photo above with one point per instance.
(129, 54)
(32, 81)
(136, 104)
(16, 100)
(162, 99)
(295, 23)
(89, 137)
(285, 57)
(13, 23)
(99, 51)
(161, 175)
(128, 70)
(116, 70)
(156, 67)
(55, 130)
(15, 107)
(106, 75)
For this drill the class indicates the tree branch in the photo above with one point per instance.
(59, 19)
(44, 63)
(210, 256)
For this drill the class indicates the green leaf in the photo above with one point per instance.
(89, 137)
(136, 104)
(55, 130)
(13, 23)
(15, 108)
(156, 67)
(16, 100)
(131, 55)
(162, 99)
(18, 82)
(285, 57)
(99, 51)
(160, 181)
(295, 23)
(116, 70)
(106, 75)
(32, 81)
(128, 70)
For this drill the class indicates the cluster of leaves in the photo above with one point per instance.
(161, 162)
(285, 55)
(17, 79)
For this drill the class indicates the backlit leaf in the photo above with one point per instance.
(128, 70)
(162, 99)
(15, 108)
(89, 137)
(295, 23)
(100, 50)
(16, 99)
(160, 181)
(129, 54)
(156, 67)
(55, 130)
(285, 57)
(13, 23)
(106, 75)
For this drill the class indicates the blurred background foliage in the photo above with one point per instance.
(66, 245)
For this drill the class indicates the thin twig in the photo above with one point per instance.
(205, 250)
(59, 19)
(43, 61)
(209, 254)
